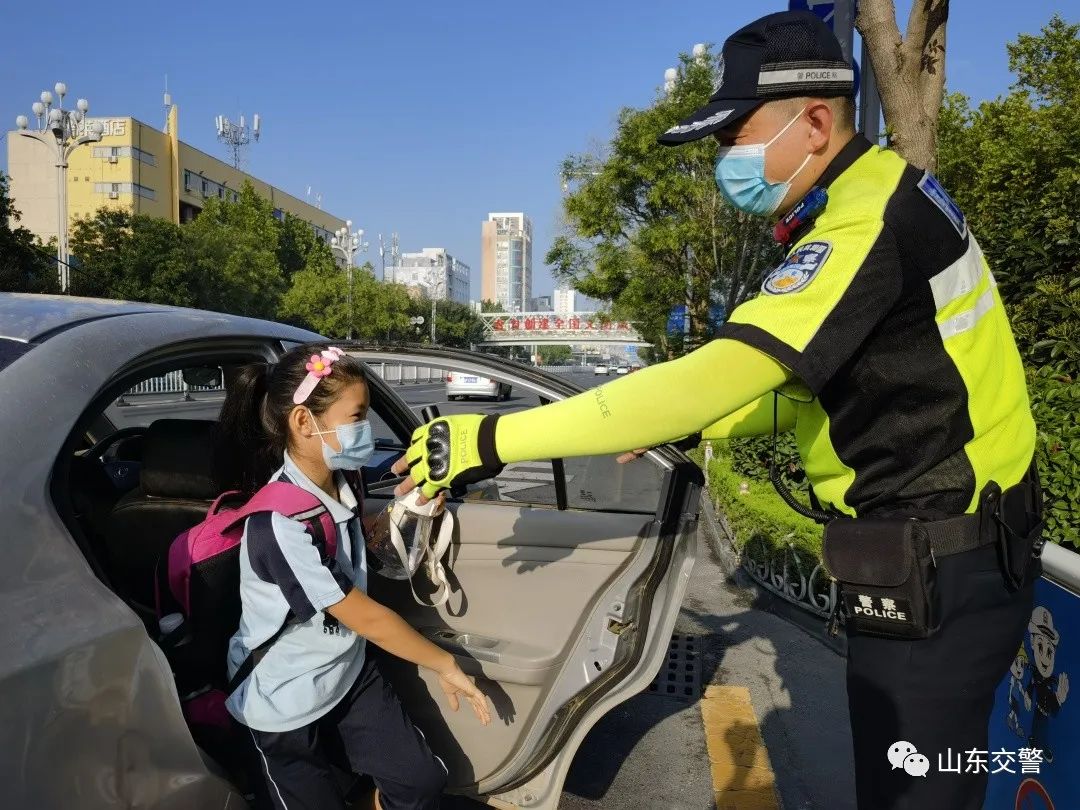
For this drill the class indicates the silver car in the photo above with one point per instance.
(566, 587)
(462, 385)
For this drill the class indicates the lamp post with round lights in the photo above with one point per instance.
(62, 131)
(348, 243)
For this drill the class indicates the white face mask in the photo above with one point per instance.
(740, 176)
(408, 543)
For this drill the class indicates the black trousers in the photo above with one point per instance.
(372, 728)
(935, 693)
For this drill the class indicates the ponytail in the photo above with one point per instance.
(242, 452)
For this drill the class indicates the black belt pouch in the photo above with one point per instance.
(1013, 522)
(887, 576)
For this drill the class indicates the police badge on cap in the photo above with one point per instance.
(783, 55)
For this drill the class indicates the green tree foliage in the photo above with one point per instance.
(238, 243)
(25, 265)
(1012, 165)
(556, 355)
(299, 248)
(137, 258)
(225, 260)
(648, 219)
(455, 324)
(319, 300)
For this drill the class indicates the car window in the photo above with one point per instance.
(165, 396)
(591, 482)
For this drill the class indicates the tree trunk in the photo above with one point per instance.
(910, 73)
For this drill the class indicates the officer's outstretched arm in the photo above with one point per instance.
(660, 403)
(755, 419)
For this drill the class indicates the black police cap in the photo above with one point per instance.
(782, 55)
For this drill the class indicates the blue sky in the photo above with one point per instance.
(415, 117)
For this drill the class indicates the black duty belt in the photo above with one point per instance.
(993, 521)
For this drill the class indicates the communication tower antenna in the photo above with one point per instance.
(237, 136)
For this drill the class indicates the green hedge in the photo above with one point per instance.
(759, 514)
(1055, 402)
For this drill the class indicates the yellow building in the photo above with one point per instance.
(137, 168)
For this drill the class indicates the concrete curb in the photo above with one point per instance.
(728, 559)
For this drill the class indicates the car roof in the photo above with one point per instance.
(32, 318)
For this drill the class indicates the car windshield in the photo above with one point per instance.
(12, 350)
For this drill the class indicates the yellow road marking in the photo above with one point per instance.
(741, 774)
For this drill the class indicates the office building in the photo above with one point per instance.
(139, 169)
(567, 299)
(433, 273)
(506, 261)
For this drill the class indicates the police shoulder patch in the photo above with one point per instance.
(934, 191)
(798, 269)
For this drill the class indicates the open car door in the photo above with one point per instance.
(567, 579)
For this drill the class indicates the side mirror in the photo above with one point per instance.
(203, 377)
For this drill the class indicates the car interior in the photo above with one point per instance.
(533, 564)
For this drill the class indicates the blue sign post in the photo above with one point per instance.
(1034, 743)
(676, 321)
(840, 15)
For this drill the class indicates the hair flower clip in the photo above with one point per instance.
(319, 366)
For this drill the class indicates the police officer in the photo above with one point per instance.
(884, 330)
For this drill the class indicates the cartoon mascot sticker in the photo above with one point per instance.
(1046, 689)
(1021, 666)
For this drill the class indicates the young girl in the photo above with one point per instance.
(304, 420)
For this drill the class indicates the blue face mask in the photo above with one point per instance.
(740, 176)
(357, 446)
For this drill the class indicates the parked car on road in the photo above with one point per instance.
(565, 592)
(460, 385)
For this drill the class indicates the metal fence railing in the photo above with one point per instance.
(399, 373)
(405, 373)
(166, 385)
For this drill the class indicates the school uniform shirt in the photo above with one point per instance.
(315, 661)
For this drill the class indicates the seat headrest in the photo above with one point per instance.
(178, 459)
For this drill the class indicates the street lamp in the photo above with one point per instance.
(434, 272)
(671, 75)
(348, 243)
(64, 131)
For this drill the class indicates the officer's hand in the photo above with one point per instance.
(1062, 688)
(684, 444)
(450, 452)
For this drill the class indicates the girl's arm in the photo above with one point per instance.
(386, 629)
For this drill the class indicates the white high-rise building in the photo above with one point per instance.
(506, 263)
(565, 299)
(435, 273)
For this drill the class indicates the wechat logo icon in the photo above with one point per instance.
(904, 755)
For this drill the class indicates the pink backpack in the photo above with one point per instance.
(198, 597)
